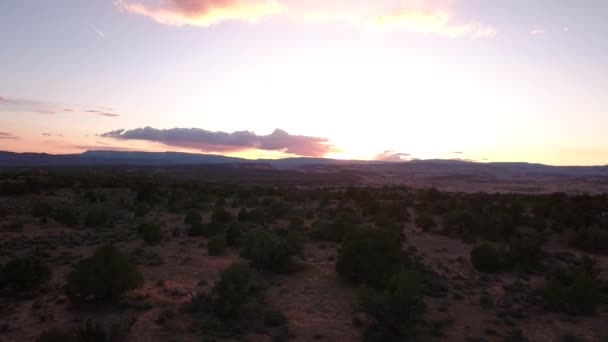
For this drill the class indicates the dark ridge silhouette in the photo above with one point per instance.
(436, 167)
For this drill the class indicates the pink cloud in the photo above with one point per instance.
(392, 156)
(202, 12)
(426, 17)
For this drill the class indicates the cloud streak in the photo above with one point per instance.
(102, 113)
(537, 31)
(6, 136)
(12, 104)
(222, 142)
(429, 22)
(424, 17)
(98, 31)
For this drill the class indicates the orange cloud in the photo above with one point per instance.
(429, 22)
(426, 17)
(203, 12)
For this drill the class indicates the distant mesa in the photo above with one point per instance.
(433, 166)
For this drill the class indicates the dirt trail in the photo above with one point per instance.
(316, 302)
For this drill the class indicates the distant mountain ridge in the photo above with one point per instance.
(8, 159)
(436, 167)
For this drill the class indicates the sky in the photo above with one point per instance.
(504, 80)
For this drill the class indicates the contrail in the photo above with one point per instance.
(101, 34)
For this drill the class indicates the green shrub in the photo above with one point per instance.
(267, 251)
(193, 217)
(515, 335)
(13, 188)
(259, 216)
(112, 331)
(42, 209)
(336, 230)
(213, 229)
(296, 224)
(243, 215)
(92, 332)
(24, 274)
(234, 234)
(57, 334)
(369, 256)
(97, 217)
(525, 253)
(196, 230)
(274, 318)
(216, 245)
(294, 241)
(397, 210)
(486, 258)
(104, 275)
(486, 301)
(593, 239)
(141, 210)
(574, 291)
(459, 223)
(425, 221)
(66, 216)
(221, 215)
(207, 230)
(233, 290)
(151, 233)
(14, 225)
(396, 311)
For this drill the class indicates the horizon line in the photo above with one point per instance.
(371, 161)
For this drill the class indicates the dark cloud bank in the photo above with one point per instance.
(209, 141)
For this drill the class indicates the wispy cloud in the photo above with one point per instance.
(425, 17)
(392, 156)
(5, 135)
(98, 31)
(537, 31)
(102, 113)
(110, 115)
(12, 104)
(25, 105)
(209, 141)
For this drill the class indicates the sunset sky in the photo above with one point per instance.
(504, 80)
